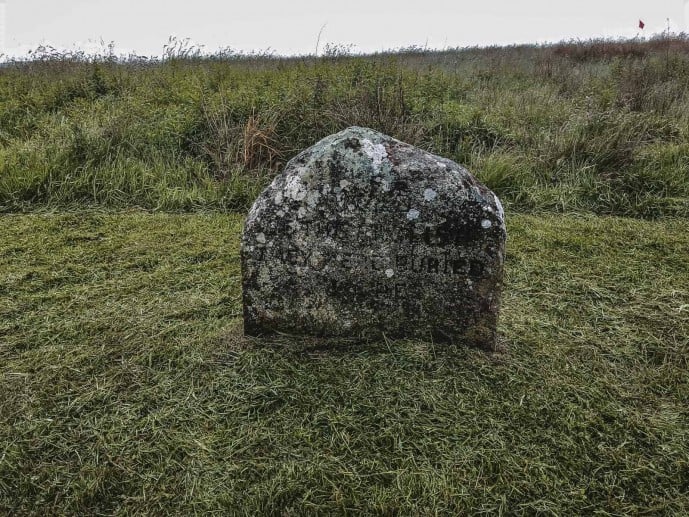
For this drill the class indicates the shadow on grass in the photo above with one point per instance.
(305, 348)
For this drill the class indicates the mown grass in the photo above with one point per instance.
(599, 126)
(126, 385)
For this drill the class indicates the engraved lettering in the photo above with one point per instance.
(458, 266)
(401, 262)
(414, 267)
(375, 266)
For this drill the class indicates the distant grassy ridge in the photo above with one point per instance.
(126, 386)
(600, 126)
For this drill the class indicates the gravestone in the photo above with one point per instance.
(364, 236)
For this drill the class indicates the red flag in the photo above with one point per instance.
(641, 24)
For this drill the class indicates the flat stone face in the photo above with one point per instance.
(363, 236)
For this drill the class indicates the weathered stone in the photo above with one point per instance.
(363, 236)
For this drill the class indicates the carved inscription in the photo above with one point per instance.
(432, 262)
(417, 251)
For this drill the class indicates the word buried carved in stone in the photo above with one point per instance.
(363, 236)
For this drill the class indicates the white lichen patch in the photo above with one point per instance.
(301, 212)
(413, 214)
(441, 165)
(429, 194)
(344, 184)
(295, 189)
(312, 198)
(389, 273)
(261, 238)
(476, 193)
(265, 280)
(485, 224)
(376, 152)
(316, 261)
(278, 198)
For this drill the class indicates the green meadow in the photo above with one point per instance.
(127, 386)
(600, 127)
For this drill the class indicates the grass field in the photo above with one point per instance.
(126, 385)
(600, 126)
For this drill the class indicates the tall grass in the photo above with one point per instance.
(599, 126)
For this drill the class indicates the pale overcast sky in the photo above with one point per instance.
(292, 26)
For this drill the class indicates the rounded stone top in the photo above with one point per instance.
(378, 167)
